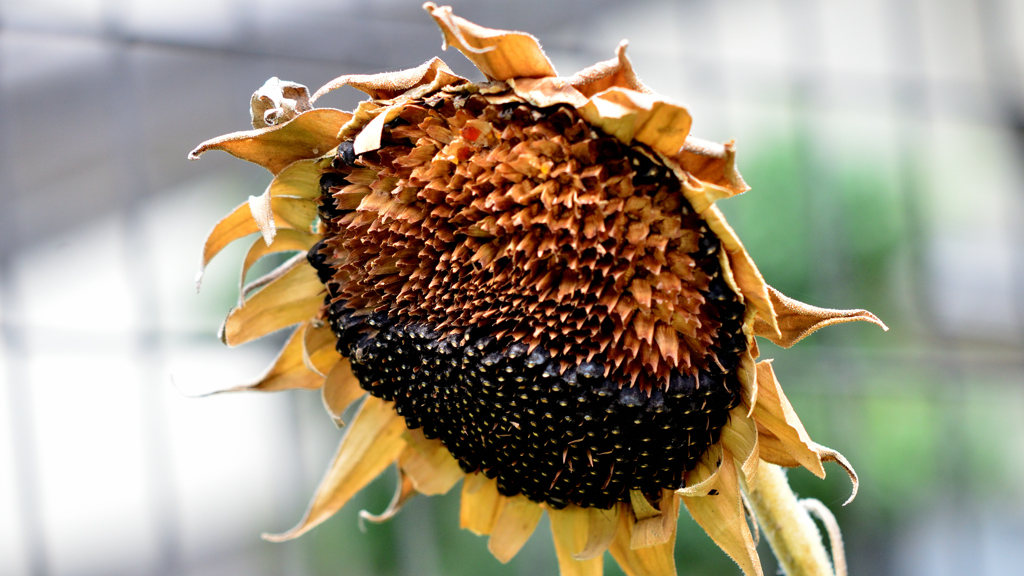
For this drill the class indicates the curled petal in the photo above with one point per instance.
(712, 163)
(300, 179)
(318, 351)
(782, 437)
(238, 224)
(702, 478)
(373, 442)
(797, 320)
(602, 525)
(515, 523)
(647, 118)
(368, 138)
(642, 508)
(614, 73)
(275, 212)
(389, 85)
(309, 135)
(569, 527)
(739, 437)
(746, 373)
(278, 101)
(829, 455)
(744, 272)
(657, 560)
(499, 54)
(659, 529)
(404, 491)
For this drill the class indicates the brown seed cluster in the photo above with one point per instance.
(536, 293)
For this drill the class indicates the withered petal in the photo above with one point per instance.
(389, 85)
(615, 73)
(499, 54)
(798, 320)
(286, 240)
(569, 527)
(372, 443)
(428, 463)
(404, 491)
(340, 389)
(657, 560)
(602, 525)
(309, 135)
(480, 504)
(723, 517)
(292, 297)
(712, 163)
(660, 529)
(514, 525)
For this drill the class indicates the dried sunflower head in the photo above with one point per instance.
(531, 280)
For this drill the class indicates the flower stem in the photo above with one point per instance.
(785, 522)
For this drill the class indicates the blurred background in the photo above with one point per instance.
(884, 142)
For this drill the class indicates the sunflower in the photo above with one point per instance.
(530, 283)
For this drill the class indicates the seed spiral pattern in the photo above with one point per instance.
(570, 396)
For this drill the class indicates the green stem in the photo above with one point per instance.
(786, 524)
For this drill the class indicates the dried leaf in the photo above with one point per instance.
(278, 101)
(373, 442)
(797, 320)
